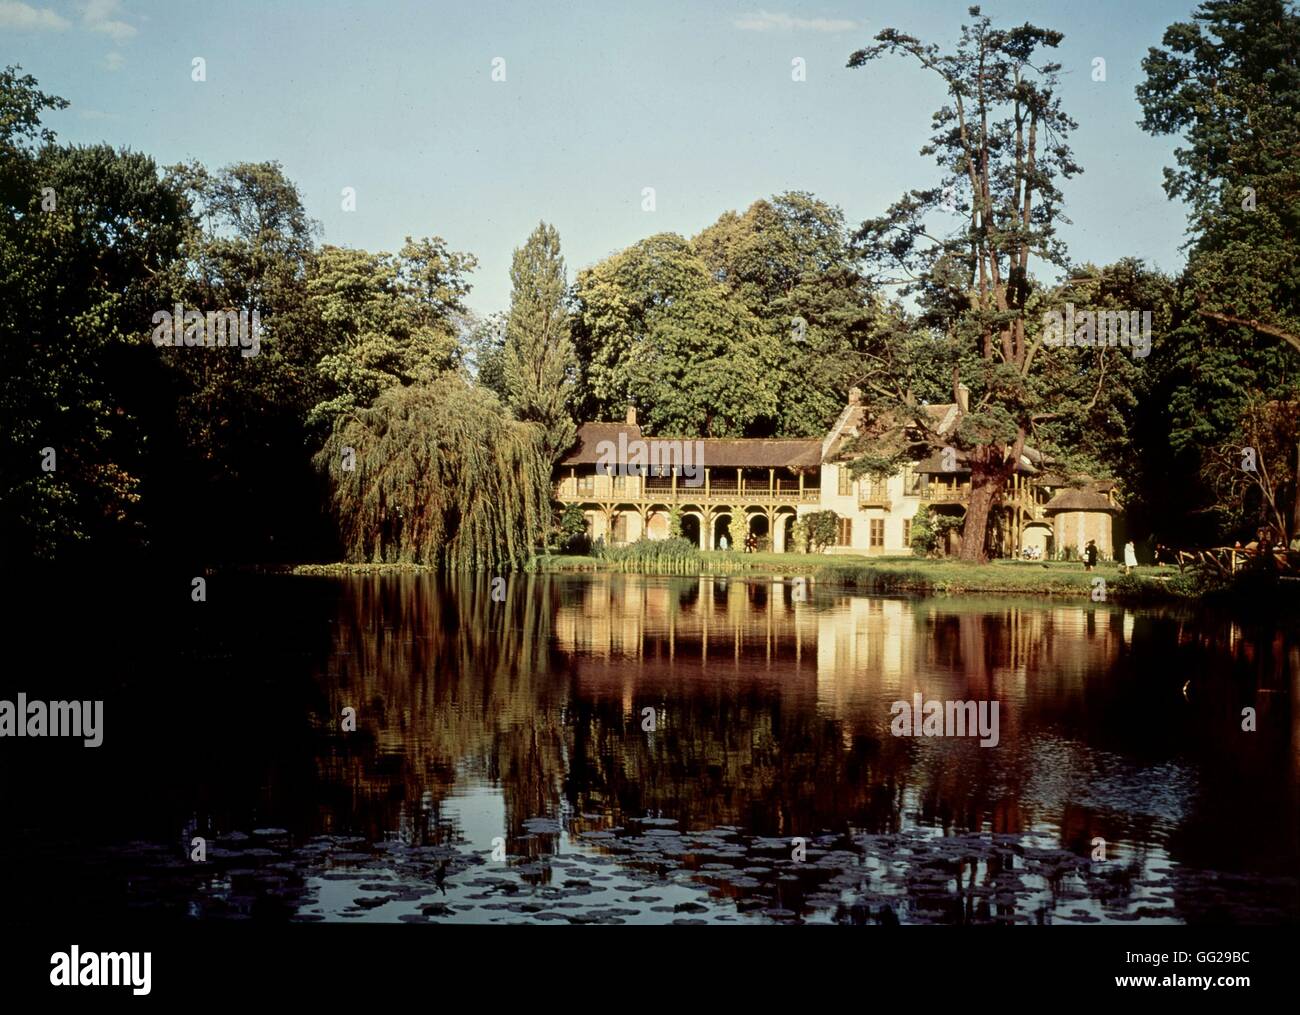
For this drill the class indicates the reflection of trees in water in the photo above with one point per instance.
(448, 683)
(772, 715)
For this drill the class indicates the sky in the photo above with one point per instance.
(600, 100)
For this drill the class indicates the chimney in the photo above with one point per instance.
(631, 415)
(963, 398)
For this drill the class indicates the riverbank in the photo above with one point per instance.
(907, 575)
(928, 576)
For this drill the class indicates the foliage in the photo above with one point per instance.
(442, 476)
(655, 556)
(799, 536)
(1227, 83)
(537, 361)
(822, 529)
(1259, 495)
(573, 529)
(78, 282)
(382, 320)
(1001, 145)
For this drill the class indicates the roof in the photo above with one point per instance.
(718, 453)
(761, 453)
(590, 435)
(1079, 500)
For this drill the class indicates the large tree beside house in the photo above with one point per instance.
(965, 247)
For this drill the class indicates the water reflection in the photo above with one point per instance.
(772, 718)
(522, 722)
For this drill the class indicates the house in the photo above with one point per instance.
(769, 483)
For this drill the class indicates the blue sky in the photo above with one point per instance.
(600, 100)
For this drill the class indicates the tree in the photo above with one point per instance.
(789, 261)
(1253, 473)
(1001, 143)
(483, 340)
(84, 235)
(537, 362)
(1227, 82)
(438, 474)
(383, 320)
(653, 328)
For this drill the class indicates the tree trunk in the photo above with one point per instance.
(988, 477)
(1295, 497)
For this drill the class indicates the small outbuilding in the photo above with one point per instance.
(1078, 515)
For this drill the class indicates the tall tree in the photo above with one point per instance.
(538, 360)
(1001, 143)
(654, 328)
(1227, 83)
(85, 235)
(789, 261)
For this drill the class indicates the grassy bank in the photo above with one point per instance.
(914, 574)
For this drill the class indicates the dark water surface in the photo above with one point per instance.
(521, 721)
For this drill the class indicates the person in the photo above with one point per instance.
(1130, 556)
(1090, 555)
(722, 543)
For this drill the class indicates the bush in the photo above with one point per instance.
(822, 528)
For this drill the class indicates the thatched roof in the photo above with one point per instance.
(1080, 500)
(718, 453)
(590, 435)
(760, 453)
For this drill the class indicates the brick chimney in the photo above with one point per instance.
(631, 415)
(963, 398)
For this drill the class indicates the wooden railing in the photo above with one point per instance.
(718, 491)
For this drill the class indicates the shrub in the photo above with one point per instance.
(822, 528)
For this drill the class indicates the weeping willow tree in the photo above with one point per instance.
(438, 474)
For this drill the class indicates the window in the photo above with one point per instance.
(911, 482)
(586, 485)
(907, 533)
(878, 490)
(846, 481)
(877, 532)
(846, 532)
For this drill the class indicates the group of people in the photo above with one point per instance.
(751, 543)
(1091, 553)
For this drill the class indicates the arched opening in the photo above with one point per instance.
(760, 539)
(721, 531)
(784, 540)
(691, 528)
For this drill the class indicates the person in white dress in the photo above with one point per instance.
(1130, 556)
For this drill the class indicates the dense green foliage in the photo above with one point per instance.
(537, 359)
(756, 327)
(440, 474)
(1227, 82)
(759, 325)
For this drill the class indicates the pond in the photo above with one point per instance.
(606, 748)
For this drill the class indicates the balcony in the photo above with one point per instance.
(874, 496)
(659, 490)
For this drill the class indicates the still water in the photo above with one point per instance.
(501, 768)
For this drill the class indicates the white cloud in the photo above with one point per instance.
(766, 21)
(114, 61)
(24, 17)
(100, 16)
